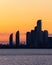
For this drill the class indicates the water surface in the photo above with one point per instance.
(25, 59)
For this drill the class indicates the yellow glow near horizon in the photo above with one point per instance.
(22, 15)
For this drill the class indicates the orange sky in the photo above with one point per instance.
(22, 15)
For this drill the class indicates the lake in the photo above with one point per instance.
(25, 59)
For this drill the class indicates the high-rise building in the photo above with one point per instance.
(40, 36)
(40, 39)
(45, 38)
(28, 39)
(39, 25)
(32, 38)
(17, 39)
(11, 40)
(45, 34)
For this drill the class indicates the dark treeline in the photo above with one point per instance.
(36, 39)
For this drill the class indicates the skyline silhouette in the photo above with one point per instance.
(36, 38)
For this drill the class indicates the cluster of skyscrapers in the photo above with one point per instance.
(34, 39)
(38, 38)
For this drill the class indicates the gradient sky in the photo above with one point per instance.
(22, 15)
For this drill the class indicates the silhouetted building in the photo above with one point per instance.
(49, 42)
(39, 25)
(45, 38)
(32, 38)
(11, 40)
(40, 39)
(28, 39)
(36, 39)
(17, 39)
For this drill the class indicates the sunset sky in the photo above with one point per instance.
(22, 15)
